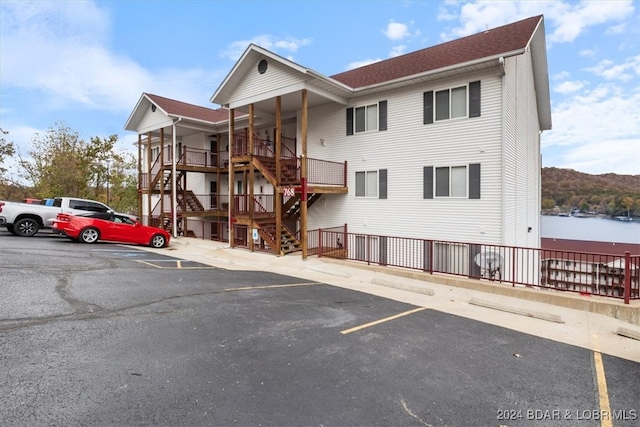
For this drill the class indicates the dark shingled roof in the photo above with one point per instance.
(488, 43)
(182, 109)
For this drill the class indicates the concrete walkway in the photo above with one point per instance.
(595, 323)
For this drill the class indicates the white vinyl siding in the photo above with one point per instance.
(404, 150)
(254, 83)
(521, 155)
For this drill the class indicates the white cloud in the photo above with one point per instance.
(598, 132)
(60, 50)
(604, 156)
(587, 53)
(616, 29)
(397, 50)
(565, 21)
(568, 87)
(358, 64)
(561, 75)
(624, 71)
(396, 31)
(235, 50)
(572, 20)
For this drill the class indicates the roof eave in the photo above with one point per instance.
(538, 48)
(129, 123)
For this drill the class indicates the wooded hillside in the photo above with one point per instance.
(610, 194)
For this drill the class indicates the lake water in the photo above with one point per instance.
(593, 229)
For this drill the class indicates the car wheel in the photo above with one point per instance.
(158, 241)
(26, 227)
(89, 235)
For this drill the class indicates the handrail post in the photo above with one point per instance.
(345, 173)
(627, 276)
(319, 242)
(513, 267)
(431, 256)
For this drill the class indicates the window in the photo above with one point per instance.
(154, 154)
(452, 181)
(372, 184)
(463, 101)
(367, 118)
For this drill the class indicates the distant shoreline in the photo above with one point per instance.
(592, 215)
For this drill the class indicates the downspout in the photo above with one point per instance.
(174, 194)
(502, 155)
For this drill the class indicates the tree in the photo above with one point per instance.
(7, 149)
(548, 203)
(8, 190)
(62, 164)
(627, 203)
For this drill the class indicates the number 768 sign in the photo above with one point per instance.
(290, 191)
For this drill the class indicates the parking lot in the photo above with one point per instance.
(108, 334)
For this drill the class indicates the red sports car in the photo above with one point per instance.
(111, 227)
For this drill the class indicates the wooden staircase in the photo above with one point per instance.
(288, 170)
(189, 202)
(292, 207)
(266, 226)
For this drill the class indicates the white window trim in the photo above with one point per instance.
(466, 182)
(366, 118)
(435, 106)
(377, 182)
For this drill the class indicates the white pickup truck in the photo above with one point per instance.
(25, 219)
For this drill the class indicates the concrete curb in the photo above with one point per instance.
(403, 286)
(549, 317)
(610, 307)
(629, 333)
(330, 272)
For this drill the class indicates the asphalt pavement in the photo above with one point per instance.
(202, 334)
(582, 328)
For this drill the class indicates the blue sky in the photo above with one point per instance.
(86, 63)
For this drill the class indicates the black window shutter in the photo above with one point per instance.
(382, 184)
(428, 107)
(349, 121)
(382, 115)
(474, 99)
(474, 181)
(427, 182)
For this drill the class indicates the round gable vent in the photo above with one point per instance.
(262, 66)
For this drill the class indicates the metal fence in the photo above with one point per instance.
(587, 273)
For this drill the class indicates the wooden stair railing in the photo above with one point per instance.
(267, 168)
